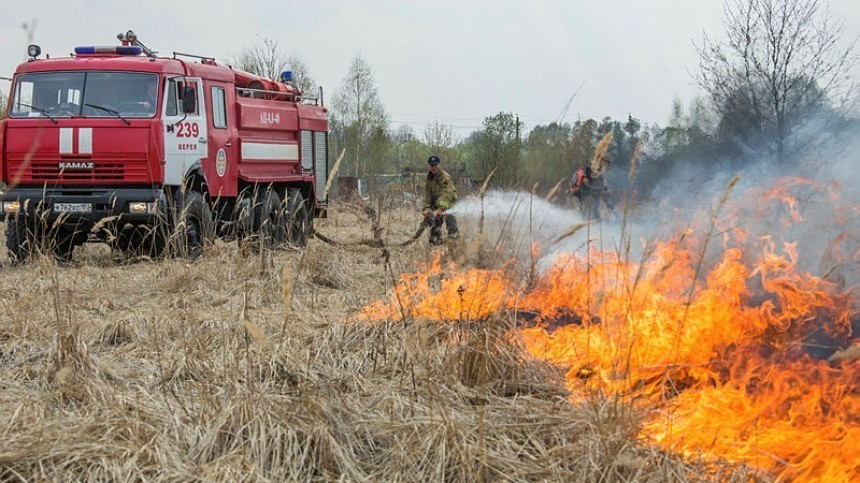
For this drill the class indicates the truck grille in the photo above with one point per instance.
(131, 169)
(100, 172)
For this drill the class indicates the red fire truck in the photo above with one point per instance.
(151, 153)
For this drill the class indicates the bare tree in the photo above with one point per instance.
(442, 141)
(266, 59)
(301, 74)
(360, 118)
(439, 137)
(781, 61)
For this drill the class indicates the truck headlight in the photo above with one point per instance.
(11, 206)
(142, 207)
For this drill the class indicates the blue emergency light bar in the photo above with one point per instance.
(109, 50)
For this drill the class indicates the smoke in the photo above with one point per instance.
(813, 203)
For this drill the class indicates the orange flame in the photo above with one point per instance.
(442, 294)
(727, 360)
(788, 189)
(727, 378)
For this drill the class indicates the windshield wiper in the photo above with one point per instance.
(39, 110)
(111, 111)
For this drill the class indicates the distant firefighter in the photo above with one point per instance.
(589, 189)
(440, 194)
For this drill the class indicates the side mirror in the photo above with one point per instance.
(189, 100)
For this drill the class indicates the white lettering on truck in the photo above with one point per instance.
(270, 118)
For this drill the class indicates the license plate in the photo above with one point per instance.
(73, 207)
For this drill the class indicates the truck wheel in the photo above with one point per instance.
(269, 220)
(194, 224)
(123, 242)
(20, 239)
(139, 241)
(134, 241)
(298, 219)
(157, 236)
(242, 221)
(65, 241)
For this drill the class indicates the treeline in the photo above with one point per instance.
(777, 90)
(518, 158)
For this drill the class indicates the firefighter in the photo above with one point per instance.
(440, 194)
(589, 189)
(576, 182)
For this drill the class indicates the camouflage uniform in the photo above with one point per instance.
(440, 193)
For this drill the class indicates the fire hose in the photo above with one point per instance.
(372, 242)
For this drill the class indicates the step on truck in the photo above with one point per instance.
(156, 155)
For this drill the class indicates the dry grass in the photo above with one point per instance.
(172, 370)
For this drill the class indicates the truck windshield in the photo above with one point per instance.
(90, 94)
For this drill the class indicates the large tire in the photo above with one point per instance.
(136, 241)
(242, 221)
(65, 241)
(20, 238)
(298, 218)
(140, 241)
(269, 219)
(194, 224)
(124, 241)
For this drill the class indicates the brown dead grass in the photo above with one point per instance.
(171, 370)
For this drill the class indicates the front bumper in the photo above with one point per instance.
(83, 206)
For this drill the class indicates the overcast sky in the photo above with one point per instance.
(455, 62)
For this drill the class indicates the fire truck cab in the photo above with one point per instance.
(152, 154)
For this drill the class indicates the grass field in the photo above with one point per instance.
(249, 365)
(243, 366)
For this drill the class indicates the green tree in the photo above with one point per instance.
(496, 147)
(632, 128)
(616, 150)
(380, 159)
(674, 136)
(686, 139)
(548, 153)
(781, 62)
(413, 155)
(409, 152)
(583, 143)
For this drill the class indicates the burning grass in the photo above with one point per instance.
(731, 350)
(240, 366)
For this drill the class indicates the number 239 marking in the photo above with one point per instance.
(187, 130)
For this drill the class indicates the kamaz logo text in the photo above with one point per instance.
(270, 118)
(80, 165)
